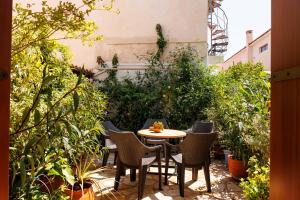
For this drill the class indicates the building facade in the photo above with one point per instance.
(131, 33)
(255, 51)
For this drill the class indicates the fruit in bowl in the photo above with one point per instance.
(157, 127)
(157, 130)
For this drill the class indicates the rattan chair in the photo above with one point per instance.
(193, 153)
(201, 127)
(108, 143)
(132, 154)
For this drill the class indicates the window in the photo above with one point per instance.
(263, 48)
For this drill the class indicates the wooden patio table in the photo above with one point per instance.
(164, 134)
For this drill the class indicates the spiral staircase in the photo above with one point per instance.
(218, 26)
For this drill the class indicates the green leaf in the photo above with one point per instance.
(37, 116)
(31, 161)
(79, 78)
(68, 173)
(48, 80)
(14, 172)
(66, 144)
(48, 157)
(36, 101)
(29, 145)
(67, 124)
(25, 115)
(76, 100)
(76, 129)
(40, 149)
(49, 103)
(53, 172)
(44, 71)
(22, 173)
(12, 148)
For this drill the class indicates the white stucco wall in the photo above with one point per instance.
(132, 32)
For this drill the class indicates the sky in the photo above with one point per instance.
(245, 15)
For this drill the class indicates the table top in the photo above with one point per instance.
(166, 133)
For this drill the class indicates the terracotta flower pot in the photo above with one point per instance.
(237, 168)
(86, 194)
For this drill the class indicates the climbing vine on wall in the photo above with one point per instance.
(161, 42)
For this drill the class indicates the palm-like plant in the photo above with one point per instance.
(81, 147)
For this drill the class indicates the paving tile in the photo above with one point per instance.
(223, 186)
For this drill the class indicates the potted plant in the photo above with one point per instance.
(79, 181)
(234, 141)
(81, 149)
(245, 139)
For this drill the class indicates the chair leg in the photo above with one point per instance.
(115, 158)
(166, 168)
(105, 158)
(159, 172)
(181, 171)
(123, 171)
(118, 175)
(142, 179)
(195, 174)
(164, 150)
(132, 175)
(207, 175)
(178, 174)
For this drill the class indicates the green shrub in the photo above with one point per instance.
(257, 185)
(180, 92)
(240, 110)
(50, 106)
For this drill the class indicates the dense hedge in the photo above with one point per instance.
(179, 91)
(241, 110)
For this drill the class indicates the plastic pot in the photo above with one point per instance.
(226, 154)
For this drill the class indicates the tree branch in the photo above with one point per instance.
(48, 112)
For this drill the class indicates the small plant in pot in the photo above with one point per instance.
(81, 148)
(79, 180)
(237, 160)
(245, 140)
